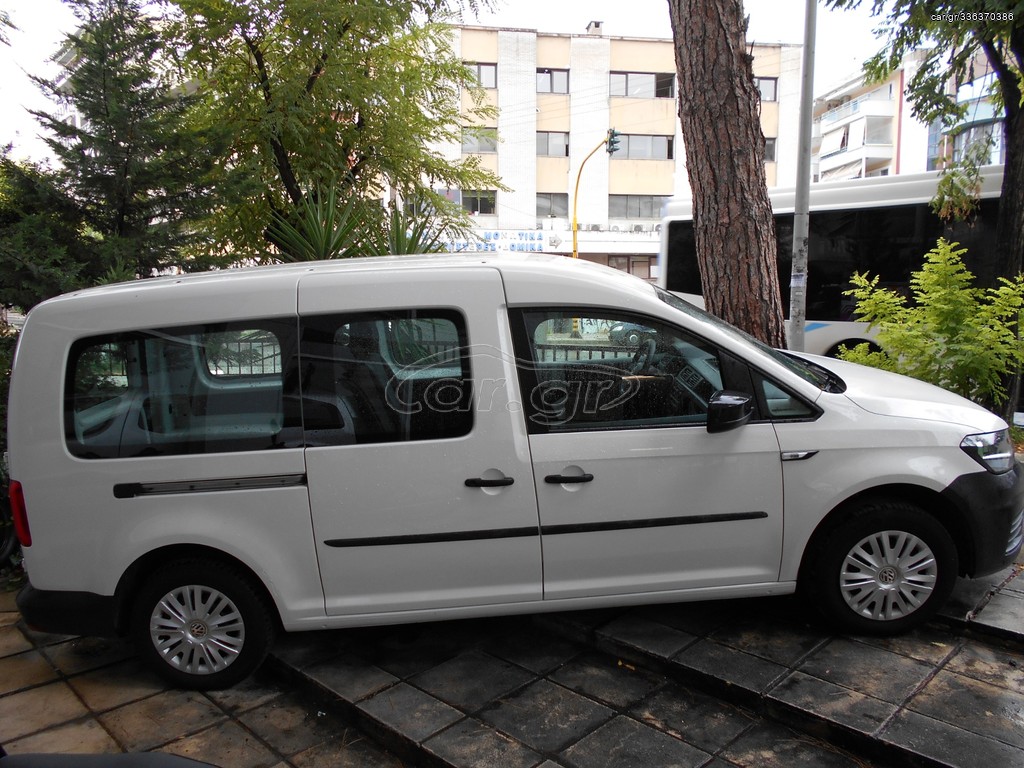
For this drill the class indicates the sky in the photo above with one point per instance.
(844, 40)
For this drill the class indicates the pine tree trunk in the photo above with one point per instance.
(719, 110)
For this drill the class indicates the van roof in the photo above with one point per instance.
(528, 278)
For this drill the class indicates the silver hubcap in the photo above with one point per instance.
(197, 630)
(888, 575)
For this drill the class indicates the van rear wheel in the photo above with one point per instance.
(201, 624)
(886, 568)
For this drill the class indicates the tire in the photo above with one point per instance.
(201, 624)
(885, 569)
(633, 339)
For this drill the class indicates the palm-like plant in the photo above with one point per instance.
(322, 228)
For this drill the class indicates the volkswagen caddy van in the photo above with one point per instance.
(200, 462)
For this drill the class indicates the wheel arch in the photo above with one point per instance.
(134, 577)
(926, 499)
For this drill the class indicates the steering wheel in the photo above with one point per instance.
(643, 357)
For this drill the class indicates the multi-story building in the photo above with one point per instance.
(556, 96)
(868, 129)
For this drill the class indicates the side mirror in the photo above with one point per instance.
(728, 410)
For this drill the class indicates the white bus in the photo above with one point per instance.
(879, 225)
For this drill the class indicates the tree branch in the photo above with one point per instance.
(282, 161)
(1007, 79)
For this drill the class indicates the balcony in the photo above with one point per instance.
(878, 103)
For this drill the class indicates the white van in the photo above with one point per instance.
(202, 461)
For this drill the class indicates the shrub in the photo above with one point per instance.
(962, 338)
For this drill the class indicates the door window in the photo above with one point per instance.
(589, 369)
(385, 377)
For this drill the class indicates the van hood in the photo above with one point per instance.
(890, 394)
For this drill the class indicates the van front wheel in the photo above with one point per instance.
(888, 567)
(201, 625)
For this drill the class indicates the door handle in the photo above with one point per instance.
(480, 482)
(563, 479)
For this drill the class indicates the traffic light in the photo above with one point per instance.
(612, 142)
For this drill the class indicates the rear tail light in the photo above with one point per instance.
(20, 514)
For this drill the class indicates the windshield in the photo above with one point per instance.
(809, 371)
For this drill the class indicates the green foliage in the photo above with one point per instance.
(45, 246)
(312, 92)
(417, 227)
(959, 188)
(323, 228)
(951, 35)
(962, 338)
(135, 161)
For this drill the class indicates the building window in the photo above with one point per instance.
(643, 85)
(635, 206)
(768, 87)
(486, 74)
(552, 81)
(769, 150)
(479, 140)
(552, 144)
(552, 204)
(479, 201)
(638, 146)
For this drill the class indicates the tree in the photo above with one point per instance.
(44, 247)
(314, 91)
(956, 35)
(719, 113)
(135, 163)
(958, 38)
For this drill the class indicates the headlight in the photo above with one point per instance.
(992, 450)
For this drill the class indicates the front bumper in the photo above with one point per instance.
(991, 509)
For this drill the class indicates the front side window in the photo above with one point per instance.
(197, 389)
(597, 369)
(385, 377)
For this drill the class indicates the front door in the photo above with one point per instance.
(635, 495)
(420, 482)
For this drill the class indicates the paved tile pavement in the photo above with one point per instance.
(732, 683)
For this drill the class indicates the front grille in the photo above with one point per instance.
(1016, 533)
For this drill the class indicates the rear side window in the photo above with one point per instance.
(197, 389)
(385, 377)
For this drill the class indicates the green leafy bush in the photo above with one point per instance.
(962, 338)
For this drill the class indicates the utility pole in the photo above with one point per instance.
(801, 214)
